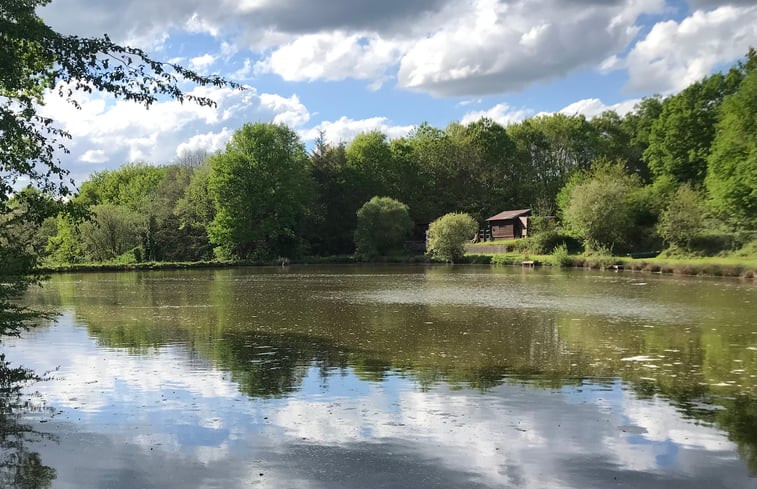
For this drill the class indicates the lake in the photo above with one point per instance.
(367, 377)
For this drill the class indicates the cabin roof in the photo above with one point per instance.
(509, 215)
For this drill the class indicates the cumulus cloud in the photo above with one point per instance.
(252, 20)
(497, 47)
(331, 56)
(113, 132)
(289, 110)
(201, 63)
(345, 129)
(676, 54)
(435, 46)
(500, 113)
(209, 141)
(591, 107)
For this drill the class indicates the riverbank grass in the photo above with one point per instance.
(733, 265)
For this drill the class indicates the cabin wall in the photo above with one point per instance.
(503, 229)
(524, 226)
(509, 228)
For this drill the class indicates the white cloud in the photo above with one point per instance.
(114, 132)
(674, 55)
(201, 63)
(331, 56)
(591, 107)
(500, 113)
(197, 24)
(345, 129)
(210, 142)
(441, 47)
(470, 101)
(289, 111)
(496, 47)
(94, 156)
(242, 73)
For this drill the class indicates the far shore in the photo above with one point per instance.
(740, 267)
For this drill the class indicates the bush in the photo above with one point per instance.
(545, 242)
(448, 234)
(600, 257)
(383, 225)
(681, 221)
(714, 243)
(560, 256)
(602, 209)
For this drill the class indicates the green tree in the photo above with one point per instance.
(330, 226)
(261, 190)
(448, 234)
(732, 165)
(680, 138)
(550, 149)
(113, 231)
(134, 185)
(637, 124)
(65, 246)
(600, 207)
(147, 190)
(498, 180)
(383, 224)
(681, 221)
(34, 58)
(194, 211)
(369, 160)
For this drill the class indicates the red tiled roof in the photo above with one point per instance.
(509, 215)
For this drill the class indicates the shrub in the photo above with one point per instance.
(383, 225)
(545, 242)
(560, 256)
(600, 257)
(714, 242)
(602, 209)
(681, 221)
(448, 234)
(503, 259)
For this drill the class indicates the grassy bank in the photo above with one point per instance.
(310, 260)
(727, 266)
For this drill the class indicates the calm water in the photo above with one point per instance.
(371, 377)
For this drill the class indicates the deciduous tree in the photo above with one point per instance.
(732, 165)
(600, 208)
(261, 190)
(383, 224)
(448, 234)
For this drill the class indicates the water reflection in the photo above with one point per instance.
(21, 467)
(324, 379)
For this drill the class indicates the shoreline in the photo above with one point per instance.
(708, 267)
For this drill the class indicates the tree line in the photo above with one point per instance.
(674, 171)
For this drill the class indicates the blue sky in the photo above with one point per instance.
(348, 66)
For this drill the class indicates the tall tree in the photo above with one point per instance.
(195, 211)
(383, 224)
(35, 60)
(680, 138)
(330, 224)
(638, 125)
(550, 149)
(600, 207)
(261, 191)
(498, 181)
(732, 165)
(370, 166)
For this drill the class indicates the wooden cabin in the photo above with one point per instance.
(509, 224)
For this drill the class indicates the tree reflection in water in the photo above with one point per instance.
(20, 468)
